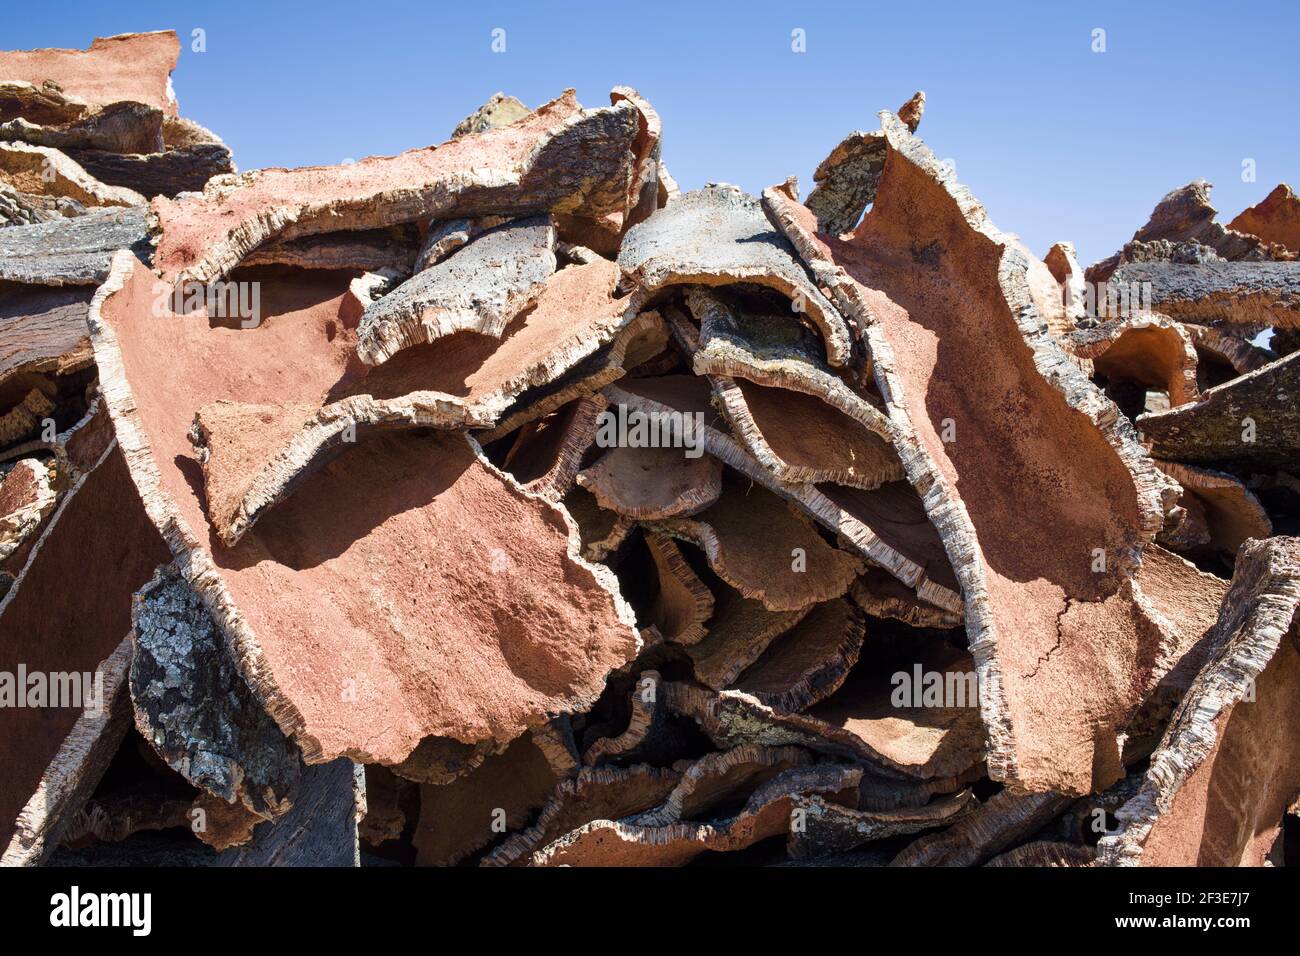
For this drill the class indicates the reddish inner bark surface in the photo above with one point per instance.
(132, 67)
(192, 227)
(1227, 812)
(372, 589)
(1040, 483)
(69, 613)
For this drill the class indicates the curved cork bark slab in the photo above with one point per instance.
(27, 496)
(738, 633)
(768, 349)
(131, 66)
(1186, 215)
(1148, 351)
(1241, 421)
(883, 595)
(25, 417)
(75, 452)
(896, 515)
(601, 532)
(560, 159)
(730, 718)
(691, 394)
(71, 252)
(646, 716)
(370, 250)
(810, 661)
(461, 817)
(195, 709)
(914, 702)
(718, 779)
(801, 439)
(1230, 511)
(253, 455)
(643, 191)
(762, 548)
(933, 284)
(40, 104)
(1007, 818)
(604, 793)
(55, 809)
(100, 538)
(1248, 296)
(636, 341)
(440, 760)
(830, 828)
(319, 652)
(718, 236)
(40, 170)
(118, 128)
(1275, 220)
(1046, 853)
(43, 331)
(478, 288)
(1228, 767)
(765, 814)
(1063, 263)
(683, 602)
(185, 169)
(547, 455)
(1224, 356)
(653, 483)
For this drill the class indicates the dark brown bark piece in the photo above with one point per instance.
(605, 793)
(823, 828)
(800, 438)
(653, 483)
(738, 633)
(1242, 421)
(469, 813)
(683, 603)
(43, 329)
(765, 814)
(759, 546)
(809, 662)
(1006, 818)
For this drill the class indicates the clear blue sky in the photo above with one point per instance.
(1059, 142)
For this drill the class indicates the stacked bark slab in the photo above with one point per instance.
(498, 504)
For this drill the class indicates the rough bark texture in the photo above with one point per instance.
(329, 701)
(1226, 770)
(1248, 419)
(588, 523)
(925, 255)
(560, 158)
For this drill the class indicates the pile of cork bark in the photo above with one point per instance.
(496, 503)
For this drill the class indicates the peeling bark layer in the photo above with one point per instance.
(292, 582)
(933, 282)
